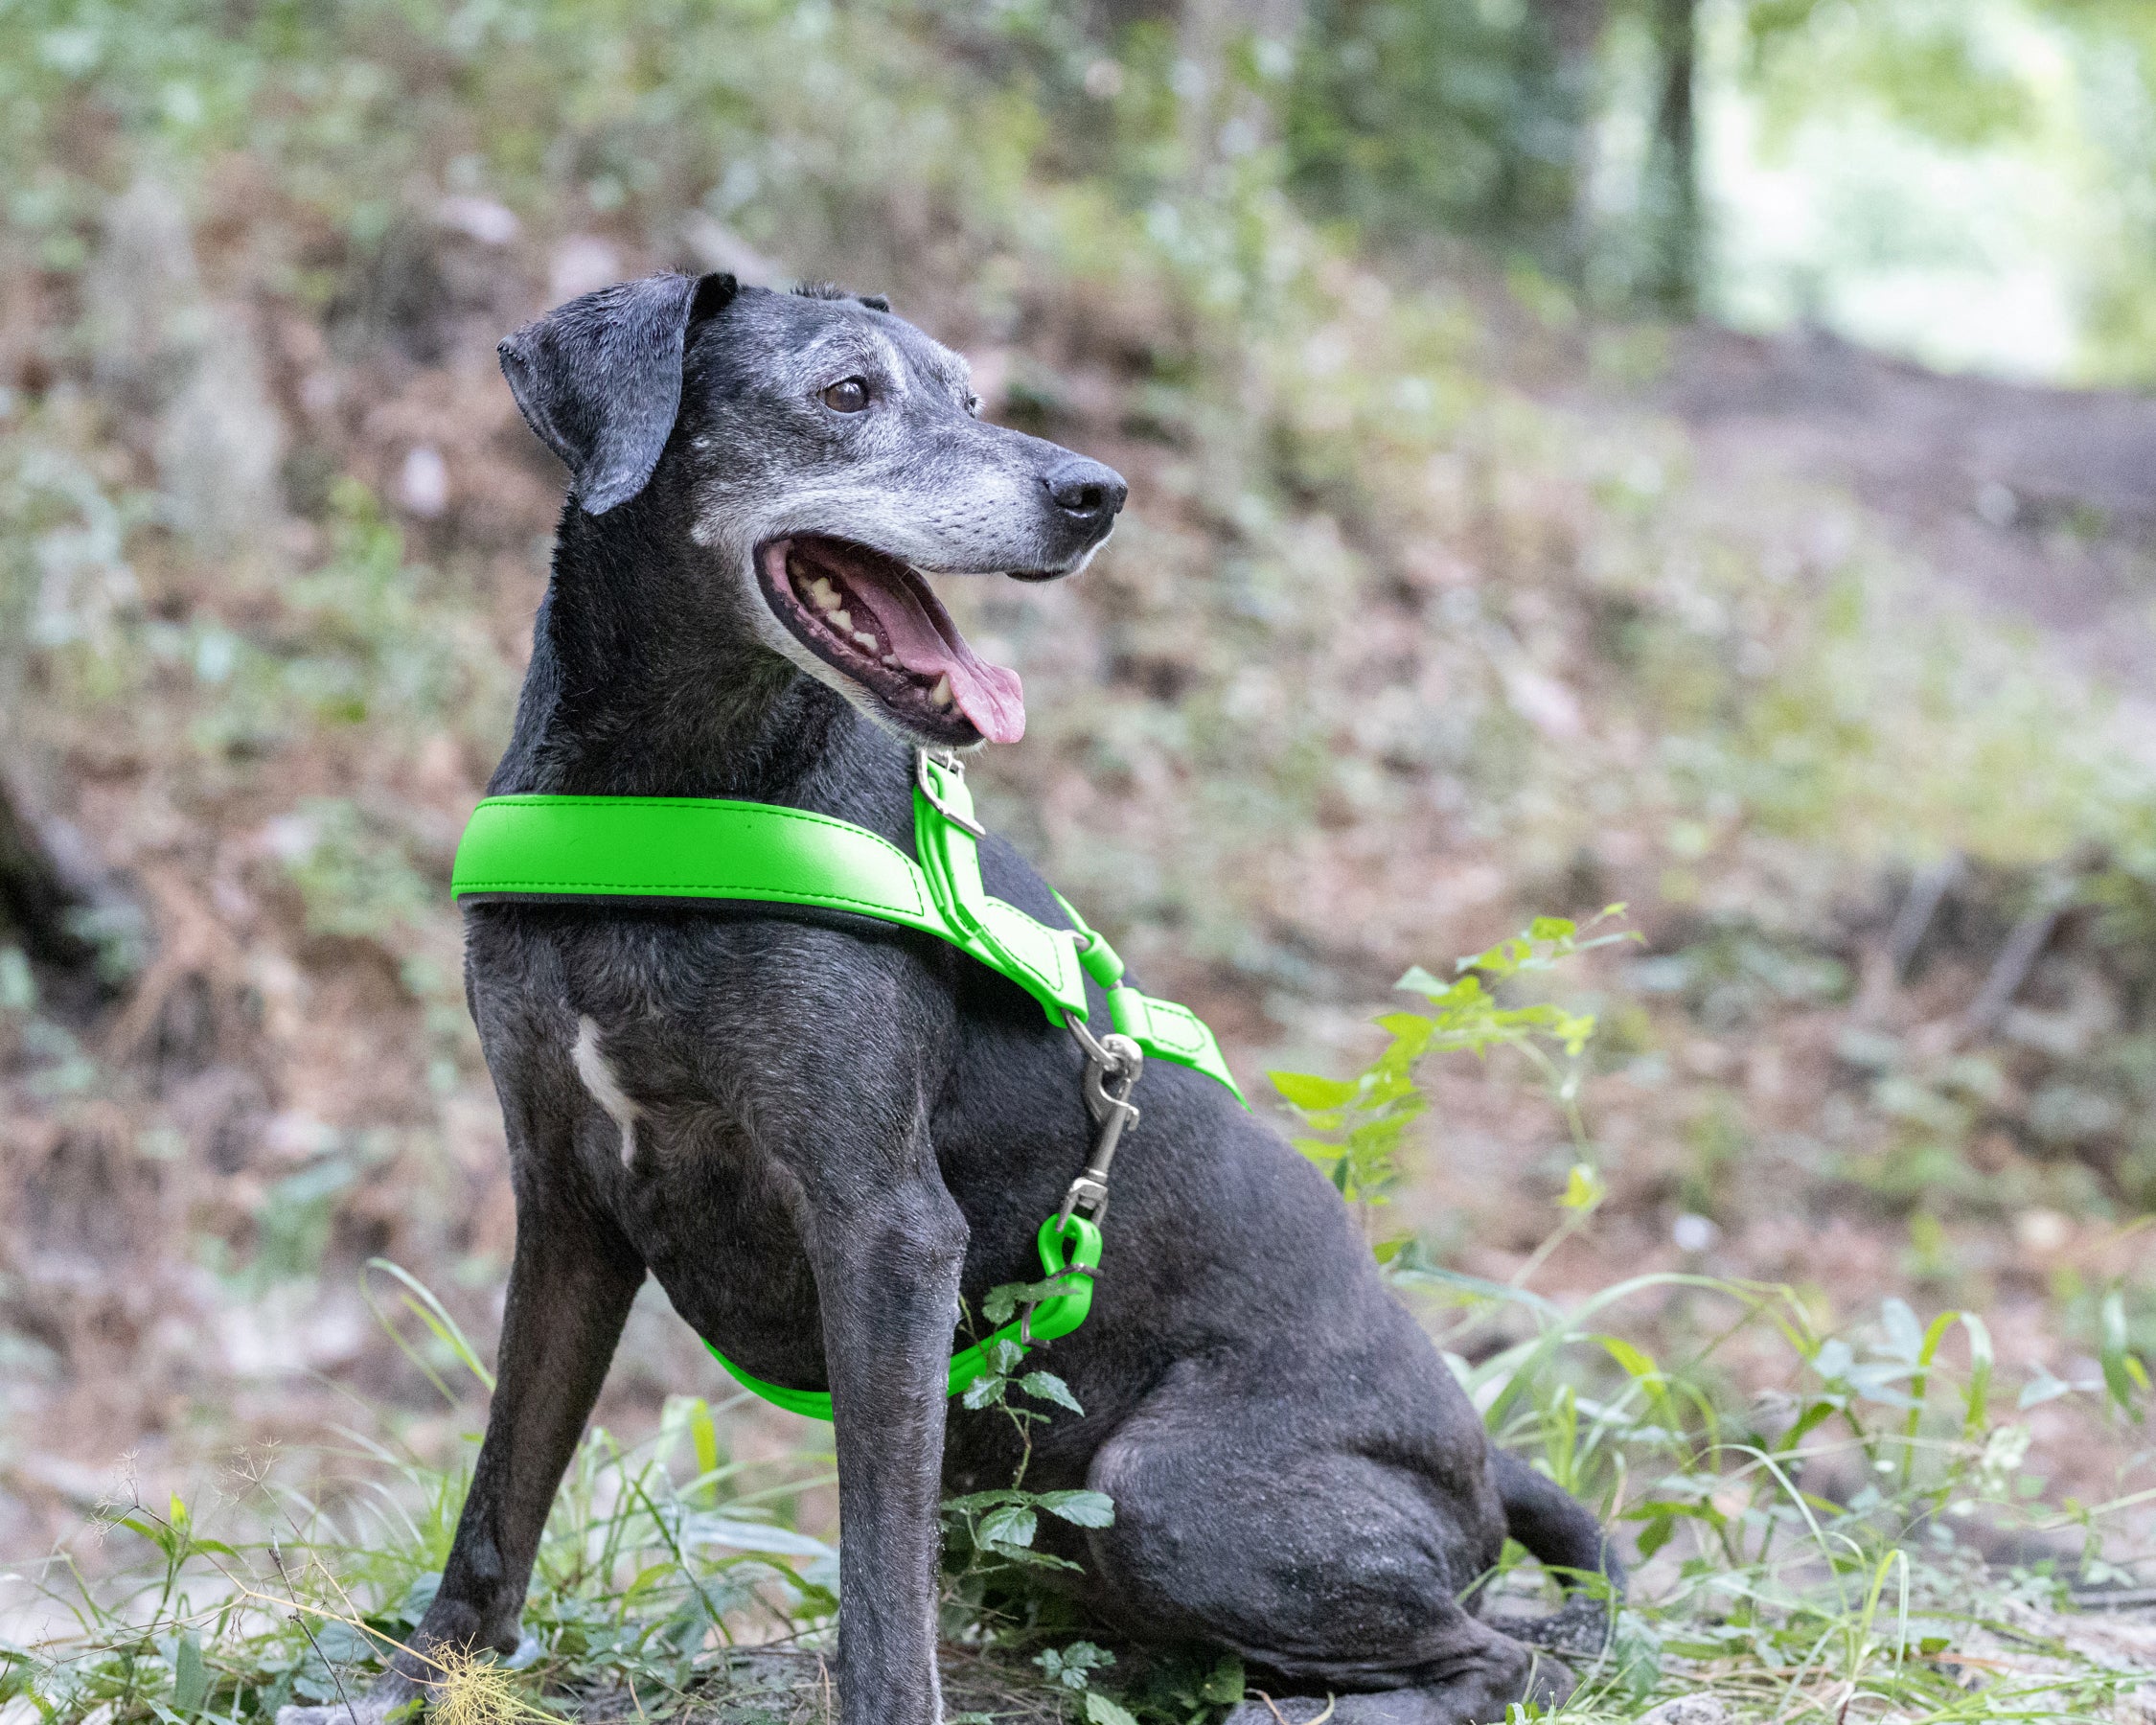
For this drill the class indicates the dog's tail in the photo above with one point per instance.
(1557, 1530)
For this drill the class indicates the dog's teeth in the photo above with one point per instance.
(819, 590)
(891, 660)
(940, 695)
(864, 639)
(840, 620)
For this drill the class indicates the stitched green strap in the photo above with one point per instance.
(1041, 961)
(705, 848)
(688, 847)
(1157, 1027)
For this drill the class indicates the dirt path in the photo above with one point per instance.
(2038, 503)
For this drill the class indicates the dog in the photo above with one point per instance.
(821, 1134)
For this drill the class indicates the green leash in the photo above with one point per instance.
(684, 847)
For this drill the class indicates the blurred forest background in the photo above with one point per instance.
(1695, 453)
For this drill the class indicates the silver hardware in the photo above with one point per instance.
(1124, 1060)
(1095, 1052)
(1112, 1064)
(956, 767)
(1111, 1052)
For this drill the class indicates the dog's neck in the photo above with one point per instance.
(645, 681)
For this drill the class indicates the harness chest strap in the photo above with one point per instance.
(679, 847)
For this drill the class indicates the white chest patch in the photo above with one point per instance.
(604, 1088)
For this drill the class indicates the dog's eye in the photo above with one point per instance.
(848, 397)
(973, 405)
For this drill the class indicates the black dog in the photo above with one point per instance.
(818, 1137)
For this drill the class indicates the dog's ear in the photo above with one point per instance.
(599, 379)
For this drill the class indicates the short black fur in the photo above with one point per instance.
(832, 1132)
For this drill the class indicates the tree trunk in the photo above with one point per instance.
(37, 900)
(1671, 203)
(1573, 30)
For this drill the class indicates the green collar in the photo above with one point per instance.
(687, 847)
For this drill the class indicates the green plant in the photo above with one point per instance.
(994, 1530)
(1761, 1578)
(1440, 114)
(1071, 1668)
(1356, 1125)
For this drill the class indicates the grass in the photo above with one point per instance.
(666, 1576)
(1802, 1552)
(648, 1572)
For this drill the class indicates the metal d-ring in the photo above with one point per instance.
(1089, 1043)
(956, 767)
(1109, 1054)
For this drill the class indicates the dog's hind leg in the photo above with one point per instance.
(569, 1292)
(1332, 1558)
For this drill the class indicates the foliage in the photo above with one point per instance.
(1072, 1668)
(1571, 656)
(992, 1532)
(1764, 1575)
(1357, 1125)
(1408, 116)
(1761, 1580)
(1945, 144)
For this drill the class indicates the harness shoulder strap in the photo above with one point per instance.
(1162, 1028)
(1040, 960)
(948, 840)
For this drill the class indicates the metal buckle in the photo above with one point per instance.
(956, 767)
(1109, 1052)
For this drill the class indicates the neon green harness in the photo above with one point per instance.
(683, 847)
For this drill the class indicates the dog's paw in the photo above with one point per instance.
(1542, 1681)
(1582, 1626)
(1550, 1684)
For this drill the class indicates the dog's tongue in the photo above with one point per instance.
(925, 641)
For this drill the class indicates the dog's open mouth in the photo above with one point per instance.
(873, 618)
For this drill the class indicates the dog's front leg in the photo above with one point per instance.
(887, 1264)
(571, 1287)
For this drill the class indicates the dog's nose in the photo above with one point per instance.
(1086, 491)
